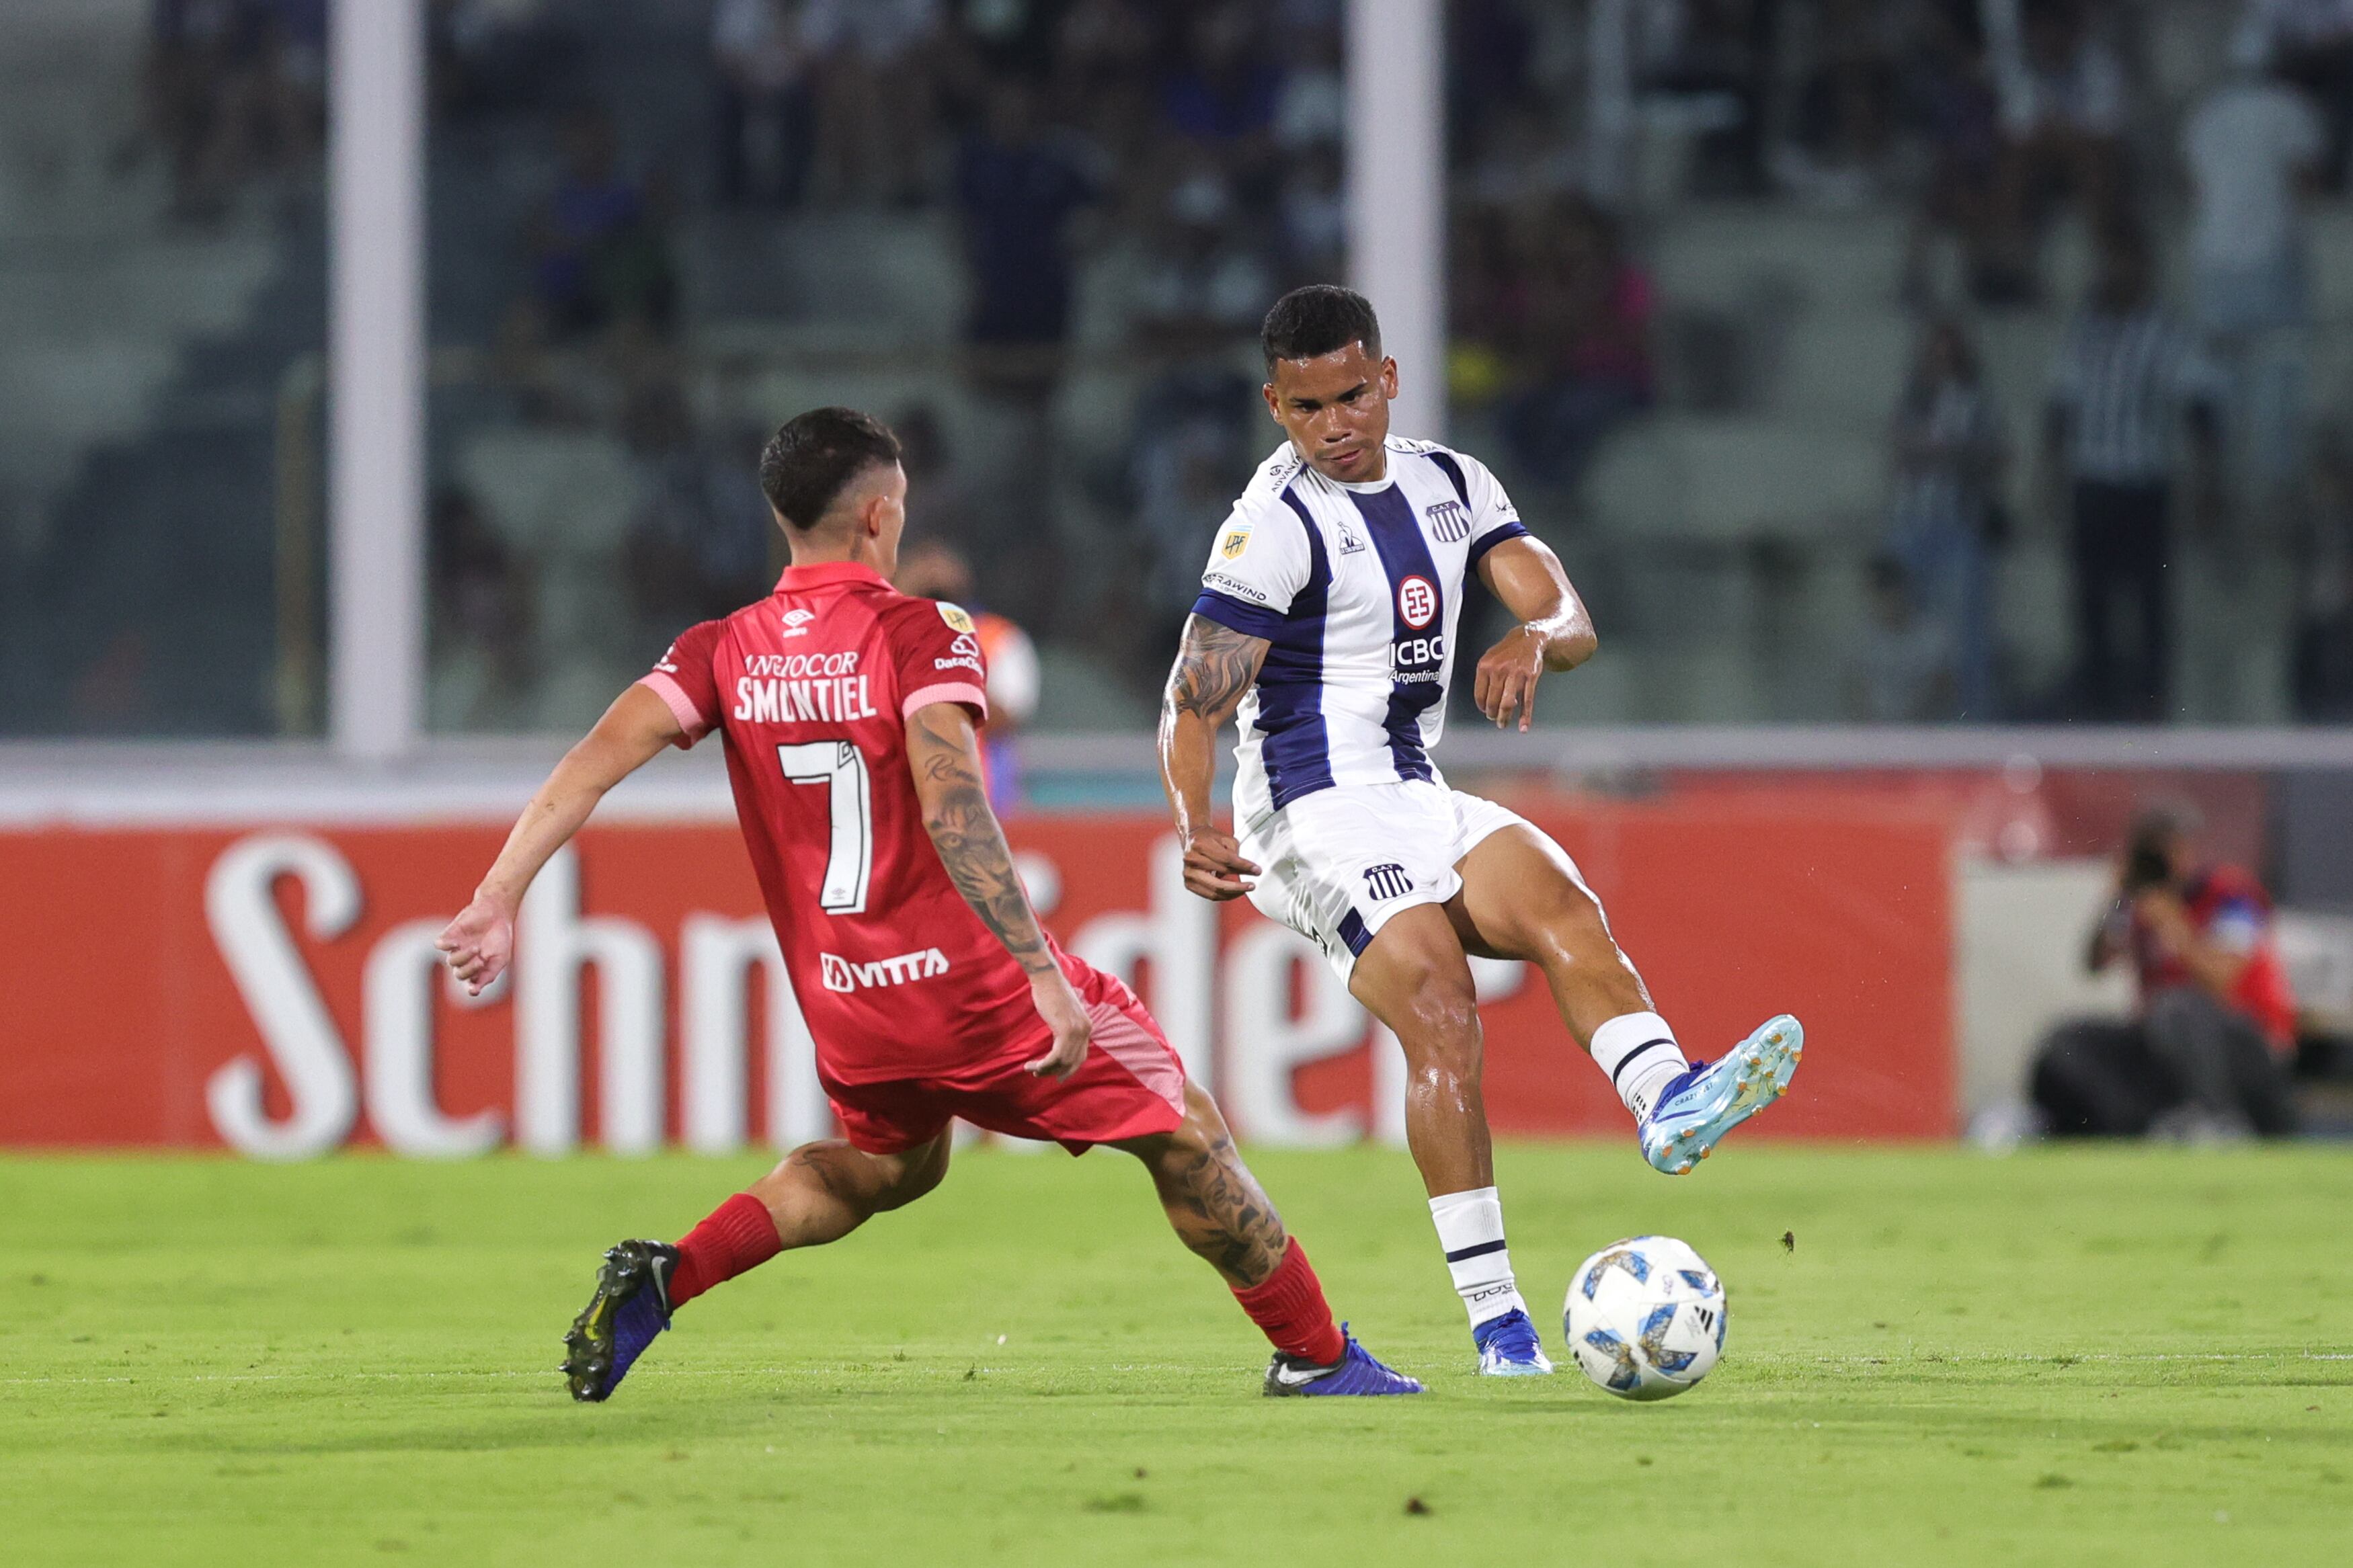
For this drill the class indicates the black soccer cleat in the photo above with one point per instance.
(631, 1308)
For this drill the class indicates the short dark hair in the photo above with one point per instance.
(813, 458)
(1318, 320)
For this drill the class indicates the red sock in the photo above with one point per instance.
(738, 1236)
(1290, 1309)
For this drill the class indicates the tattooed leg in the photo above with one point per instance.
(1212, 1200)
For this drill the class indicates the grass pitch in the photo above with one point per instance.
(2080, 1357)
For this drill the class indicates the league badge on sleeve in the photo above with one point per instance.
(1236, 541)
(954, 617)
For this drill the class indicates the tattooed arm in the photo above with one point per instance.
(1216, 666)
(945, 756)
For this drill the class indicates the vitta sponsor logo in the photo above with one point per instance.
(796, 622)
(1387, 882)
(1449, 520)
(844, 974)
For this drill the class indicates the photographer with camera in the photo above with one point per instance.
(2206, 1057)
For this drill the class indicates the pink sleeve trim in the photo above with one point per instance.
(962, 691)
(681, 706)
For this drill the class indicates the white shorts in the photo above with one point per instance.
(1338, 865)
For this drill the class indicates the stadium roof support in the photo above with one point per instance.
(375, 582)
(1397, 193)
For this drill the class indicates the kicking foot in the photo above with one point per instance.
(1354, 1372)
(1693, 1113)
(1508, 1347)
(630, 1307)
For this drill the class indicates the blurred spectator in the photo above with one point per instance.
(1106, 52)
(2062, 99)
(2124, 380)
(1955, 105)
(873, 71)
(1903, 672)
(1195, 447)
(481, 625)
(2310, 44)
(603, 257)
(1720, 54)
(939, 495)
(1947, 519)
(933, 569)
(1205, 283)
(1314, 213)
(765, 115)
(2204, 1058)
(2321, 667)
(1224, 90)
(235, 87)
(2253, 147)
(1017, 190)
(1845, 119)
(697, 546)
(1581, 340)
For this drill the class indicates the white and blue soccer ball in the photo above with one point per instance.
(1645, 1317)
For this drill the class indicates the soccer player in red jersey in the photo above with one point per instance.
(850, 713)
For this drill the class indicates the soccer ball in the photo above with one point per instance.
(1645, 1317)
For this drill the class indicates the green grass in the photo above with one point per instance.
(2085, 1358)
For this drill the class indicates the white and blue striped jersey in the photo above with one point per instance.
(1357, 589)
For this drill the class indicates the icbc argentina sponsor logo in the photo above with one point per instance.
(845, 974)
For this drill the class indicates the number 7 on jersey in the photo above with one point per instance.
(842, 768)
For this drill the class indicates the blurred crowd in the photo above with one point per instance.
(2176, 412)
(234, 92)
(1134, 180)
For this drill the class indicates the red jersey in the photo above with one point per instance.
(2229, 910)
(811, 689)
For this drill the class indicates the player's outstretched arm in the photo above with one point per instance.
(1216, 667)
(1555, 633)
(945, 756)
(634, 729)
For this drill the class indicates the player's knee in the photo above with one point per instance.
(919, 1171)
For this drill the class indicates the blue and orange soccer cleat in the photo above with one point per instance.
(1356, 1373)
(631, 1306)
(1696, 1110)
(1508, 1347)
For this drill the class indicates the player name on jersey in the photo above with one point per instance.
(793, 688)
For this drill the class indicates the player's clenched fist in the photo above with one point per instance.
(1214, 867)
(479, 944)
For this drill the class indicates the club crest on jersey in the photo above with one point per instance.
(954, 617)
(1449, 520)
(1236, 541)
(1417, 600)
(1387, 882)
(796, 622)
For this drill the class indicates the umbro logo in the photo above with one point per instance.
(796, 622)
(1387, 882)
(1449, 520)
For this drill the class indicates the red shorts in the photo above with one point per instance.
(1131, 1085)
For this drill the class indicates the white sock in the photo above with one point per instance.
(1471, 1230)
(1640, 1054)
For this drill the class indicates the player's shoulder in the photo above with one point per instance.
(1274, 478)
(1460, 468)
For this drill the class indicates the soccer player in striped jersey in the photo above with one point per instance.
(1325, 627)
